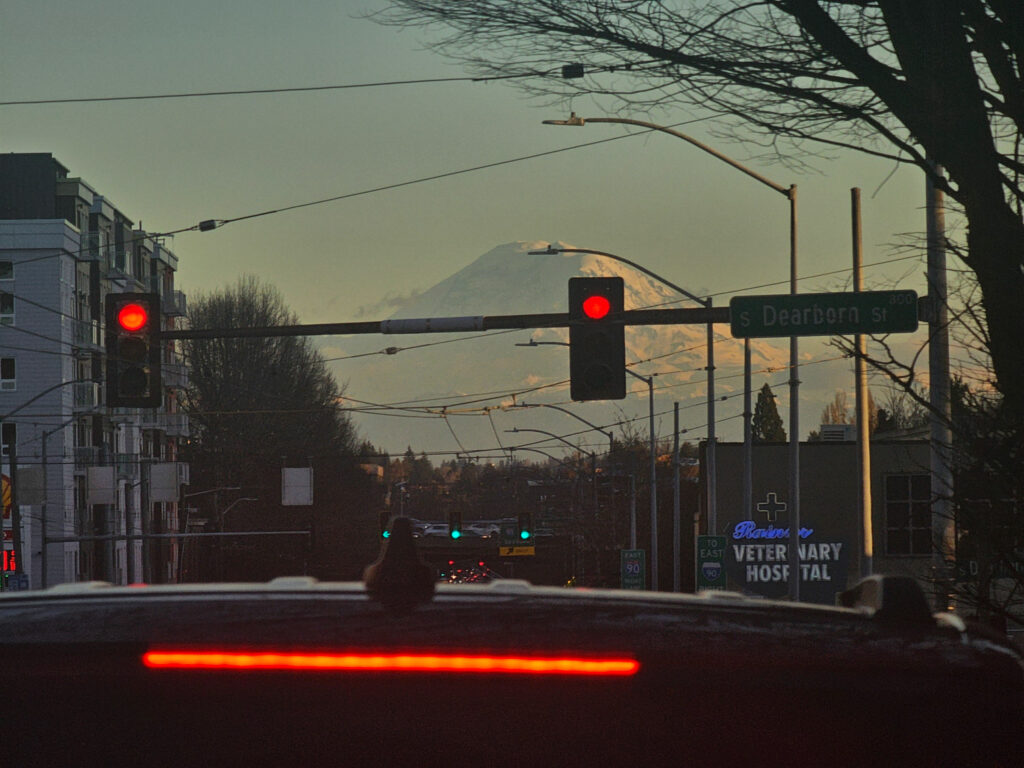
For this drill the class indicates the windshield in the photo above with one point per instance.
(633, 298)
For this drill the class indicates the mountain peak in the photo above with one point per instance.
(454, 374)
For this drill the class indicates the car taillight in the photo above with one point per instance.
(390, 662)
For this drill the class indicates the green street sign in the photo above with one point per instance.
(823, 314)
(633, 564)
(711, 562)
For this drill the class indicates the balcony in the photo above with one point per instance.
(174, 373)
(88, 456)
(86, 395)
(150, 420)
(85, 336)
(176, 424)
(173, 303)
(127, 465)
(122, 415)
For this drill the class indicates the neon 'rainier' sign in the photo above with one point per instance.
(748, 530)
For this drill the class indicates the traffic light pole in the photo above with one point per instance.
(683, 316)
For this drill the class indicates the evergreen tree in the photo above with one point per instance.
(767, 424)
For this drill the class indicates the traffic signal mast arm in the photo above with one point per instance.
(684, 316)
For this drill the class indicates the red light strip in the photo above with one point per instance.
(379, 662)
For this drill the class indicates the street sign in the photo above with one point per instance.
(823, 314)
(516, 551)
(711, 562)
(634, 568)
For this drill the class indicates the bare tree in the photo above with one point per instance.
(838, 411)
(253, 401)
(937, 84)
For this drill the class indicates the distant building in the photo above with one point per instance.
(755, 557)
(98, 476)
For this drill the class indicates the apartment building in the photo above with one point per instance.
(87, 478)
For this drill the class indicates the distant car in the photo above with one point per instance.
(484, 530)
(435, 529)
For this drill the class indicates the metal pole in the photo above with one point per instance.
(632, 507)
(676, 523)
(712, 439)
(654, 490)
(938, 378)
(19, 545)
(863, 417)
(42, 514)
(794, 421)
(748, 435)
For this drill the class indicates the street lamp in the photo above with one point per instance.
(794, 383)
(591, 454)
(524, 404)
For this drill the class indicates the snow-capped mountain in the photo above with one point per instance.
(460, 375)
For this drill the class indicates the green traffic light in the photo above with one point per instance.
(456, 534)
(386, 534)
(524, 534)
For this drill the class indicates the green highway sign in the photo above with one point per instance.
(633, 568)
(711, 562)
(823, 314)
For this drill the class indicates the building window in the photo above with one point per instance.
(6, 270)
(8, 378)
(908, 515)
(6, 308)
(8, 436)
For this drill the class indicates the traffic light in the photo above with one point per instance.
(525, 526)
(455, 524)
(384, 519)
(597, 341)
(133, 350)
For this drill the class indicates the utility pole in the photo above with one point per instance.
(938, 380)
(676, 522)
(863, 417)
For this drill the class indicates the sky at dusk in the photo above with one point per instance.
(174, 162)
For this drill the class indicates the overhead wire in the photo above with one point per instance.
(265, 91)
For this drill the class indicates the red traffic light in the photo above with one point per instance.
(132, 317)
(597, 306)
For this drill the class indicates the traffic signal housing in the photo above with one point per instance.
(525, 527)
(597, 340)
(133, 350)
(454, 524)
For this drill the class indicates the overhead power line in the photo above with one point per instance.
(262, 91)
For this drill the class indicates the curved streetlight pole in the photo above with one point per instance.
(591, 454)
(524, 404)
(794, 382)
(711, 464)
